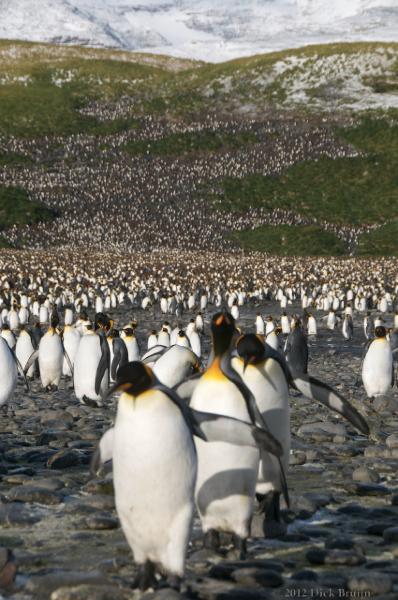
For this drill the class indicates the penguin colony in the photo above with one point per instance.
(213, 434)
(157, 202)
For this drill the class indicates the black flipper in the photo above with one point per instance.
(68, 360)
(186, 388)
(103, 364)
(153, 357)
(120, 356)
(32, 358)
(323, 393)
(21, 371)
(219, 428)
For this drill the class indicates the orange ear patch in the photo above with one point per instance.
(220, 320)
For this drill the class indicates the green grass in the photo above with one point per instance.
(381, 242)
(17, 209)
(43, 105)
(289, 240)
(13, 159)
(345, 190)
(185, 143)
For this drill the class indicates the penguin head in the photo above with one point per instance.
(134, 378)
(222, 329)
(250, 348)
(128, 331)
(54, 321)
(380, 331)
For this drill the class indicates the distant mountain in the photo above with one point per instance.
(212, 30)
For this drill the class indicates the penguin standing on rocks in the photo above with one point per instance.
(296, 349)
(24, 349)
(227, 475)
(8, 372)
(348, 327)
(50, 355)
(151, 446)
(377, 366)
(92, 364)
(263, 374)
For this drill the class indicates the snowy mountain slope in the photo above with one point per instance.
(213, 30)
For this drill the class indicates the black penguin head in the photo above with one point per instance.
(380, 331)
(129, 331)
(251, 349)
(222, 329)
(134, 378)
(54, 321)
(102, 321)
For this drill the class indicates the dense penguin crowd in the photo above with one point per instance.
(202, 391)
(107, 198)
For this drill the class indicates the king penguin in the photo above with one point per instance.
(50, 355)
(227, 475)
(91, 368)
(8, 372)
(266, 379)
(152, 447)
(377, 366)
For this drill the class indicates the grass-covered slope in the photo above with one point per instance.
(138, 107)
(287, 240)
(17, 209)
(356, 190)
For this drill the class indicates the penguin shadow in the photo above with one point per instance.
(223, 485)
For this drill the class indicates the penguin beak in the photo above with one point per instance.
(117, 387)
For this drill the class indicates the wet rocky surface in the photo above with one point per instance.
(60, 538)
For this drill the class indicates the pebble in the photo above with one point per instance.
(390, 535)
(365, 475)
(92, 592)
(64, 459)
(370, 584)
(30, 493)
(101, 522)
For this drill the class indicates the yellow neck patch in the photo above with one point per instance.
(214, 372)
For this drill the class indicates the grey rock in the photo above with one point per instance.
(92, 592)
(64, 459)
(365, 475)
(101, 522)
(390, 535)
(371, 584)
(256, 576)
(30, 493)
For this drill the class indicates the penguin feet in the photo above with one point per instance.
(89, 402)
(240, 546)
(273, 525)
(51, 388)
(212, 540)
(145, 577)
(171, 581)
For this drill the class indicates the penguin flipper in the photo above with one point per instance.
(184, 408)
(149, 358)
(34, 356)
(251, 405)
(326, 395)
(103, 366)
(21, 370)
(186, 388)
(68, 360)
(219, 428)
(103, 452)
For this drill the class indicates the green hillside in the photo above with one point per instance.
(138, 107)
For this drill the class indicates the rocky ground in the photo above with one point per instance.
(66, 543)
